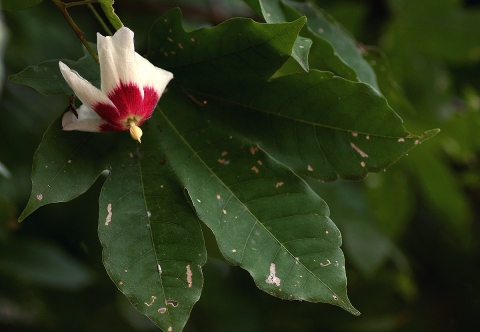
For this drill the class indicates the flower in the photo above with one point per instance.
(130, 89)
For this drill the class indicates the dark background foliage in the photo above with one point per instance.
(410, 234)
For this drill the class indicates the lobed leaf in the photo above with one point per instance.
(264, 217)
(317, 124)
(153, 245)
(47, 79)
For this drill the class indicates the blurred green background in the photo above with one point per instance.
(410, 233)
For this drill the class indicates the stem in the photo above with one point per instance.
(80, 34)
(100, 20)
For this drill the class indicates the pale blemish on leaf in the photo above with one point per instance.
(362, 164)
(255, 169)
(192, 39)
(234, 250)
(173, 303)
(335, 297)
(170, 39)
(131, 155)
(69, 161)
(120, 283)
(310, 168)
(359, 151)
(109, 215)
(162, 310)
(170, 329)
(199, 201)
(218, 196)
(417, 142)
(401, 140)
(159, 268)
(189, 276)
(259, 162)
(180, 45)
(272, 278)
(221, 161)
(279, 184)
(253, 150)
(354, 134)
(224, 153)
(39, 197)
(326, 264)
(367, 137)
(224, 211)
(153, 298)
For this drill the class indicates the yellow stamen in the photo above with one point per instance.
(135, 130)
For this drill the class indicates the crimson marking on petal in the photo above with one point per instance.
(127, 98)
(150, 100)
(107, 112)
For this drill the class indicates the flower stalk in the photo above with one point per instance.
(80, 34)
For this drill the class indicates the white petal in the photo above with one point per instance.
(149, 75)
(117, 59)
(85, 91)
(87, 120)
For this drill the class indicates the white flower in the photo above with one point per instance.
(130, 88)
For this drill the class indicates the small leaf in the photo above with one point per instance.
(273, 13)
(324, 26)
(107, 7)
(14, 5)
(47, 79)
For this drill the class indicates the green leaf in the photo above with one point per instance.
(272, 13)
(153, 245)
(14, 5)
(107, 7)
(291, 248)
(47, 79)
(332, 50)
(323, 25)
(317, 124)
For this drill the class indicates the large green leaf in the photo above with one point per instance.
(47, 79)
(264, 217)
(153, 244)
(318, 124)
(290, 248)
